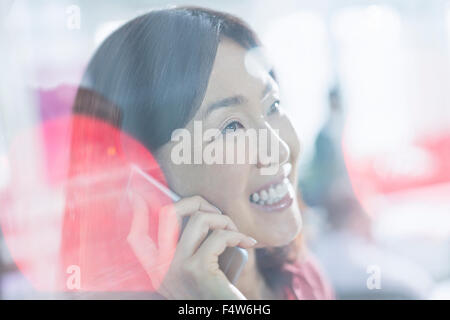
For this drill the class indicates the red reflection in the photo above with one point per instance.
(424, 163)
(80, 245)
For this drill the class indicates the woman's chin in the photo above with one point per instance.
(275, 228)
(284, 235)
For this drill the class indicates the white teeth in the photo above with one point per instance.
(274, 194)
(264, 195)
(285, 189)
(280, 190)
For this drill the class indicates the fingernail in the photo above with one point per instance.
(252, 240)
(217, 209)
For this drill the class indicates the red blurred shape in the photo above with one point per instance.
(425, 162)
(88, 161)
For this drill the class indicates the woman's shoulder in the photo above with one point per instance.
(308, 280)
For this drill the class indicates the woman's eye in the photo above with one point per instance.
(274, 108)
(232, 127)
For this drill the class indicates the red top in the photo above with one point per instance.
(308, 282)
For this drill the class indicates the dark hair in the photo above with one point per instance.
(155, 70)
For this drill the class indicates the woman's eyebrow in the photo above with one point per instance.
(234, 100)
(226, 102)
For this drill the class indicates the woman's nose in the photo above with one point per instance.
(272, 149)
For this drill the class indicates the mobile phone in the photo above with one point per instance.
(231, 261)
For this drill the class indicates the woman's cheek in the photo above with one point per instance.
(289, 134)
(226, 181)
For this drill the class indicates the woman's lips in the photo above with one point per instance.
(275, 195)
(285, 171)
(276, 198)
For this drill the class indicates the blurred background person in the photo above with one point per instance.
(345, 245)
(327, 166)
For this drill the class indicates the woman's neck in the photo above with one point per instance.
(251, 282)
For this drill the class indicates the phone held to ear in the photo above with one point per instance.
(231, 261)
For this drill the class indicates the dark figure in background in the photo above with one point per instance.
(327, 165)
(346, 246)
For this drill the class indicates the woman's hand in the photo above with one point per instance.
(192, 272)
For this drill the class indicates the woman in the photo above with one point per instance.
(166, 70)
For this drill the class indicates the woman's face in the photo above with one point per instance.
(242, 96)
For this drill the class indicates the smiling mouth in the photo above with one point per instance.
(275, 197)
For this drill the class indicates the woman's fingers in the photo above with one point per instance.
(198, 227)
(171, 217)
(155, 257)
(219, 240)
(188, 206)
